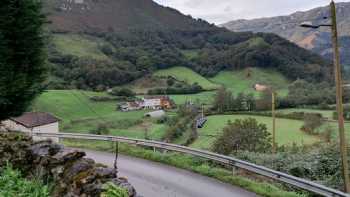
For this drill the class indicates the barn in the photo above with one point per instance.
(34, 122)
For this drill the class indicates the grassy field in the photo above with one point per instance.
(80, 46)
(205, 98)
(287, 131)
(238, 81)
(187, 75)
(79, 114)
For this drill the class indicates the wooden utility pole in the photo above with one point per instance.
(273, 121)
(339, 92)
(267, 89)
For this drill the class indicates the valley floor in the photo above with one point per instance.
(79, 114)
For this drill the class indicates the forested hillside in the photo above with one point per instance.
(103, 43)
(317, 40)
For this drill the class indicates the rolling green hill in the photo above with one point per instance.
(243, 80)
(141, 37)
(188, 76)
(235, 81)
(79, 46)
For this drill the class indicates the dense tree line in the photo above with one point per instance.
(183, 122)
(180, 89)
(206, 50)
(225, 101)
(303, 93)
(88, 73)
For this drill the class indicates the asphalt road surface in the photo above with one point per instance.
(153, 179)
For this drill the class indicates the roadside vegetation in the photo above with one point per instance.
(114, 191)
(200, 166)
(13, 184)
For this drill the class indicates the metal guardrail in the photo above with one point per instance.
(236, 163)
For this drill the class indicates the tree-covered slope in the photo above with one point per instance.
(137, 37)
(317, 40)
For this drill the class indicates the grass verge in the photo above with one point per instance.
(190, 163)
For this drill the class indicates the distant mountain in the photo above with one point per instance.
(115, 15)
(318, 41)
(104, 43)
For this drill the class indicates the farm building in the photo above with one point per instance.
(150, 102)
(34, 122)
(157, 102)
(156, 114)
(130, 106)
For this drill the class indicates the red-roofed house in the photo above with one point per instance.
(34, 122)
(157, 102)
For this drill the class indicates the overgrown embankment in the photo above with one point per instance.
(68, 171)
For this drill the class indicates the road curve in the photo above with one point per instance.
(153, 179)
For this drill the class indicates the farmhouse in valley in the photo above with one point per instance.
(149, 102)
(130, 106)
(34, 122)
(157, 102)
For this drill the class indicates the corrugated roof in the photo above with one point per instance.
(35, 119)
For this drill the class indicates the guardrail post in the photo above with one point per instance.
(154, 149)
(116, 156)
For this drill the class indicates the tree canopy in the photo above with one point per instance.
(22, 57)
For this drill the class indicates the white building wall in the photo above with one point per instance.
(49, 128)
(151, 103)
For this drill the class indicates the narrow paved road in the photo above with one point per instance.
(152, 179)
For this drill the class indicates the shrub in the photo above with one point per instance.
(245, 134)
(114, 191)
(311, 123)
(101, 129)
(320, 163)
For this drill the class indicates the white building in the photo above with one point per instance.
(152, 103)
(34, 122)
(156, 114)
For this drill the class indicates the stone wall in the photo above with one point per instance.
(70, 173)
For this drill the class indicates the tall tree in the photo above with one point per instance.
(22, 57)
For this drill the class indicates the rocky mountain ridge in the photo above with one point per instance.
(317, 40)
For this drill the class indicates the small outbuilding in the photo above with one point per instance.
(156, 114)
(34, 122)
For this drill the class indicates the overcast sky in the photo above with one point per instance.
(221, 11)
